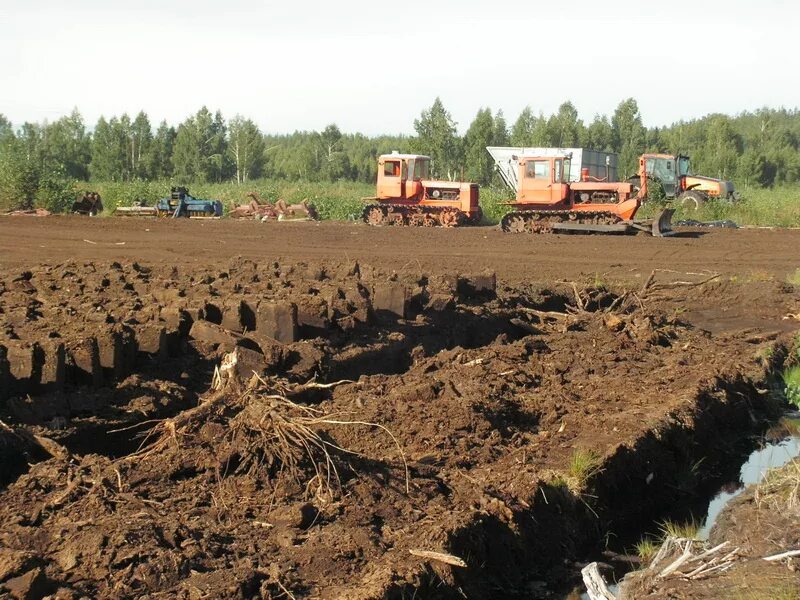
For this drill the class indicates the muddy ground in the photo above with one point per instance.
(417, 392)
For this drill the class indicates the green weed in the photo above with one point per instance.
(583, 465)
(794, 278)
(647, 548)
(791, 379)
(687, 529)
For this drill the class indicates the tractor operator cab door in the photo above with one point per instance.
(543, 180)
(683, 166)
(391, 178)
(418, 169)
(665, 171)
(684, 171)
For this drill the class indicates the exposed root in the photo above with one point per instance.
(267, 430)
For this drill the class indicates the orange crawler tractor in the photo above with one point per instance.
(405, 196)
(547, 201)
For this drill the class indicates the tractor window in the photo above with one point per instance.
(661, 169)
(558, 165)
(664, 170)
(391, 168)
(537, 169)
(683, 165)
(421, 169)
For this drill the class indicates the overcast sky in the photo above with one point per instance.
(373, 65)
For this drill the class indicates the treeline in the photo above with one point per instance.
(38, 160)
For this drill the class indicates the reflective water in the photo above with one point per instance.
(774, 455)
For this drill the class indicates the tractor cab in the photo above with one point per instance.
(668, 170)
(401, 175)
(665, 169)
(543, 179)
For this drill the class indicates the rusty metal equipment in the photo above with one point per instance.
(406, 196)
(88, 204)
(263, 210)
(548, 199)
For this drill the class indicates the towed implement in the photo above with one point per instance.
(88, 204)
(263, 210)
(179, 204)
(548, 201)
(405, 196)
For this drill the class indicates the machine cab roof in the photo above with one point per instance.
(403, 156)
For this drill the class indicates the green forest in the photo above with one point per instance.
(43, 164)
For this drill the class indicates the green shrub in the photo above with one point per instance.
(19, 180)
(56, 192)
(791, 379)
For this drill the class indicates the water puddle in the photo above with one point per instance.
(784, 447)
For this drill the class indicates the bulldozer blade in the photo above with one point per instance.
(662, 223)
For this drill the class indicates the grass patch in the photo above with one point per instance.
(583, 465)
(767, 207)
(339, 200)
(794, 278)
(647, 548)
(687, 529)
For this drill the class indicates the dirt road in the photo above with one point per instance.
(748, 254)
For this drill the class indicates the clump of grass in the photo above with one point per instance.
(791, 379)
(647, 548)
(794, 278)
(686, 529)
(599, 282)
(583, 465)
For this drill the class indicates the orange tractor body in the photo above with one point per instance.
(548, 201)
(406, 196)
